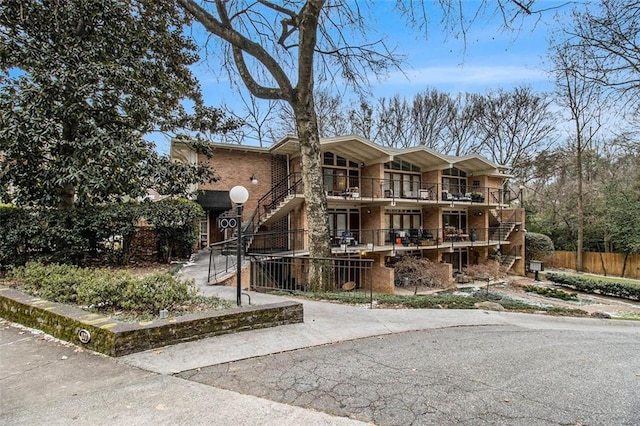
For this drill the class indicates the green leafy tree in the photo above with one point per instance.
(623, 198)
(81, 83)
(176, 224)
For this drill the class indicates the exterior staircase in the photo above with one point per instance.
(280, 209)
(502, 231)
(508, 261)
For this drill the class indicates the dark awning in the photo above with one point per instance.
(214, 200)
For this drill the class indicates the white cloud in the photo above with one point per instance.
(470, 75)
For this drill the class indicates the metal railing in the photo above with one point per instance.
(222, 259)
(373, 188)
(290, 185)
(296, 242)
(291, 273)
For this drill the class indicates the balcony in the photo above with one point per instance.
(384, 191)
(354, 241)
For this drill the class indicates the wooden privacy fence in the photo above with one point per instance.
(598, 263)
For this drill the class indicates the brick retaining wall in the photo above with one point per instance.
(117, 338)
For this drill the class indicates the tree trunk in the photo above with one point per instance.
(580, 211)
(315, 200)
(310, 155)
(603, 264)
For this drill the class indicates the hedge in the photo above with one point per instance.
(102, 232)
(591, 285)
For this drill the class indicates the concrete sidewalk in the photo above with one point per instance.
(45, 381)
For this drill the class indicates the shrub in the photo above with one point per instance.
(538, 246)
(550, 292)
(177, 223)
(109, 291)
(489, 270)
(589, 285)
(17, 229)
(158, 291)
(421, 272)
(57, 283)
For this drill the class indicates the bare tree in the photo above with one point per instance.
(332, 120)
(393, 124)
(609, 38)
(513, 126)
(462, 129)
(432, 113)
(583, 99)
(255, 116)
(361, 121)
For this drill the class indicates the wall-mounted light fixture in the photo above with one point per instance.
(253, 179)
(479, 213)
(368, 211)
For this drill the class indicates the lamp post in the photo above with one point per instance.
(239, 195)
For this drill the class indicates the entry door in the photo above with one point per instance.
(459, 259)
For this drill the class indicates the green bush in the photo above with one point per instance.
(57, 283)
(17, 231)
(177, 223)
(538, 247)
(551, 292)
(590, 285)
(107, 290)
(155, 292)
(101, 233)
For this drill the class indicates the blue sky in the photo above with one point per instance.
(491, 58)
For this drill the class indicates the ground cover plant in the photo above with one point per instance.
(615, 288)
(111, 291)
(445, 300)
(551, 292)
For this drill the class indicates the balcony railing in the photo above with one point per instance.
(296, 242)
(370, 188)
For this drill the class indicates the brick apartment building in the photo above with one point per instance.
(382, 203)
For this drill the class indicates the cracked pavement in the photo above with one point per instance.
(462, 375)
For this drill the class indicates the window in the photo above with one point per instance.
(403, 185)
(337, 176)
(401, 165)
(455, 218)
(401, 221)
(344, 220)
(454, 181)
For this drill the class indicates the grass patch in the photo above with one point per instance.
(114, 292)
(628, 315)
(603, 278)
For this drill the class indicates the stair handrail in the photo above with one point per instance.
(212, 264)
(279, 192)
